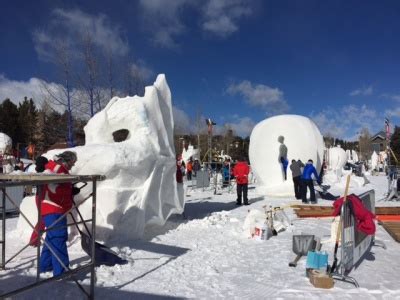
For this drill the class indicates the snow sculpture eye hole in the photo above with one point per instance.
(120, 135)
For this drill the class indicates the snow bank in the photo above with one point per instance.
(302, 139)
(130, 142)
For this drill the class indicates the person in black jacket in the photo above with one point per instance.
(295, 167)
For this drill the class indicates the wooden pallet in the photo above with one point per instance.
(313, 211)
(393, 228)
(308, 211)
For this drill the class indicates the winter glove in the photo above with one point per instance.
(75, 190)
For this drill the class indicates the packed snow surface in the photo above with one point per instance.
(207, 254)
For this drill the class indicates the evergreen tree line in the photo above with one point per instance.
(25, 124)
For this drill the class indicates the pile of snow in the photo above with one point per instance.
(140, 186)
(303, 141)
(5, 142)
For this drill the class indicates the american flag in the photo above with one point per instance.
(387, 128)
(210, 124)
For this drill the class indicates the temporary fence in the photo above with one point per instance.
(354, 243)
(11, 181)
(217, 176)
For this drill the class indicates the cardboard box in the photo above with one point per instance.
(321, 280)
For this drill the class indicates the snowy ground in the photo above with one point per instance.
(206, 255)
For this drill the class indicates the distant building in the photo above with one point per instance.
(378, 142)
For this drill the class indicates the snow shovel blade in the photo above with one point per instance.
(103, 255)
(303, 243)
(294, 263)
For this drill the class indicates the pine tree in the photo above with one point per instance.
(27, 118)
(39, 136)
(8, 117)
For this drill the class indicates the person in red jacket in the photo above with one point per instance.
(57, 200)
(241, 172)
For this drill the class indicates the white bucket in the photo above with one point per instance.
(262, 232)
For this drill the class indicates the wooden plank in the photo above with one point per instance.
(308, 210)
(393, 228)
(394, 210)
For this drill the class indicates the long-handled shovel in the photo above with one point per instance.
(339, 229)
(294, 263)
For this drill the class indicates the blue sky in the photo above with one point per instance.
(237, 62)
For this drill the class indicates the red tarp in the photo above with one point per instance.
(364, 218)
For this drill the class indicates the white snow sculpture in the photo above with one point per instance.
(355, 156)
(140, 186)
(5, 143)
(352, 156)
(374, 160)
(337, 158)
(190, 152)
(302, 139)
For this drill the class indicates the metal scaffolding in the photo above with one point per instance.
(38, 180)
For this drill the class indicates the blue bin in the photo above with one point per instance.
(317, 260)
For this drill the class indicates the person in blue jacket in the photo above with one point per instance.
(307, 181)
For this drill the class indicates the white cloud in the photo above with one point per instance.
(140, 68)
(221, 16)
(69, 26)
(393, 113)
(395, 97)
(164, 20)
(346, 121)
(17, 90)
(260, 95)
(182, 121)
(39, 90)
(365, 91)
(243, 126)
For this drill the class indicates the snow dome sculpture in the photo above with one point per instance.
(5, 143)
(281, 138)
(130, 142)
